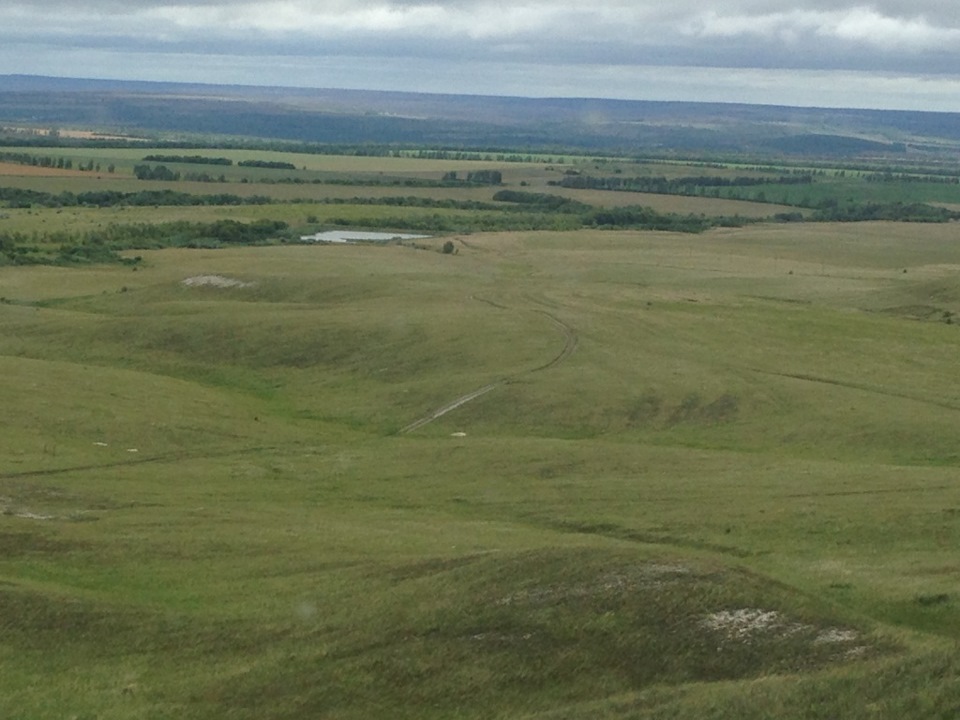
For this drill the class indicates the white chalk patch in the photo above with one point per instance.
(33, 516)
(835, 635)
(743, 622)
(218, 281)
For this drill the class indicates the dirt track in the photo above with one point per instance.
(570, 344)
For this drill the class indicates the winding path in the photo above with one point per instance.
(570, 344)
(441, 411)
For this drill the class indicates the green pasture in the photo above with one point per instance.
(707, 476)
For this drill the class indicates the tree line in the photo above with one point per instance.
(159, 172)
(194, 159)
(674, 186)
(891, 177)
(270, 164)
(13, 197)
(46, 161)
(475, 177)
(833, 211)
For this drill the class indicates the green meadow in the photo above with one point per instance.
(711, 469)
(548, 475)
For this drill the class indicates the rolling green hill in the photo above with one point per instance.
(550, 475)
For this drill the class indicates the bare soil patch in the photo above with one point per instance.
(746, 624)
(76, 134)
(217, 281)
(16, 169)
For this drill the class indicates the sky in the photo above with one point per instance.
(889, 54)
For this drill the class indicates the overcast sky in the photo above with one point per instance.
(902, 54)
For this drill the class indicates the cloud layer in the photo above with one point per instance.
(919, 38)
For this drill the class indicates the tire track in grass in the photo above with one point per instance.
(570, 343)
(462, 400)
(863, 387)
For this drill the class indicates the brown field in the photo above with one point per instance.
(94, 135)
(16, 169)
(75, 134)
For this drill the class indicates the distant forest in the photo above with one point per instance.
(355, 118)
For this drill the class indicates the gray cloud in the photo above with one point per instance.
(905, 37)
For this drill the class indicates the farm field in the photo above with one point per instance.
(303, 193)
(551, 474)
(759, 190)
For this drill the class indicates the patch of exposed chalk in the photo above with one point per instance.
(747, 623)
(835, 635)
(743, 622)
(501, 637)
(34, 516)
(218, 281)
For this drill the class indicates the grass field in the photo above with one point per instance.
(700, 476)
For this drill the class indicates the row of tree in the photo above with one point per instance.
(13, 197)
(833, 211)
(193, 159)
(46, 161)
(475, 177)
(158, 172)
(269, 164)
(890, 177)
(675, 186)
(480, 156)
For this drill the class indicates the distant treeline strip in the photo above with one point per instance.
(890, 177)
(450, 179)
(194, 159)
(47, 161)
(14, 197)
(270, 164)
(831, 211)
(499, 153)
(675, 186)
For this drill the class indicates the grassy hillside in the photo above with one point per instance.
(690, 476)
